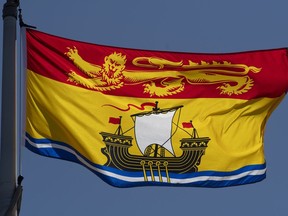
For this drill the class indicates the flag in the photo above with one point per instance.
(187, 125)
(113, 120)
(73, 87)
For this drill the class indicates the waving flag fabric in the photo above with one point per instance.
(127, 114)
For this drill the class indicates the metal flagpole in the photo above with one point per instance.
(8, 190)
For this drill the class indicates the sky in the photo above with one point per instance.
(60, 188)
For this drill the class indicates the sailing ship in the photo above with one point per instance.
(153, 135)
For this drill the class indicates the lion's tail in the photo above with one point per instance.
(254, 69)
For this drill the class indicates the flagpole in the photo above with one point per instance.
(8, 111)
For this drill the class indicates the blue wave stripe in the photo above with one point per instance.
(120, 178)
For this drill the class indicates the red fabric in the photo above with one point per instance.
(187, 125)
(271, 81)
(113, 120)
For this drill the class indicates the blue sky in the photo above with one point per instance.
(55, 187)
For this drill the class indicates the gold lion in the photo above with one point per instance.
(104, 78)
(233, 78)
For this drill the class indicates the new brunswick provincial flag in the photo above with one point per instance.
(138, 117)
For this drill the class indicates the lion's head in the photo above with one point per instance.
(113, 66)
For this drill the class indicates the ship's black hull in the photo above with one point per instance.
(119, 157)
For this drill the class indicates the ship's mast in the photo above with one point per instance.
(119, 130)
(156, 109)
(194, 132)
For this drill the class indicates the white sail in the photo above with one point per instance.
(154, 129)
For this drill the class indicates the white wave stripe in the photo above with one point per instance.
(104, 172)
(140, 179)
(219, 178)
